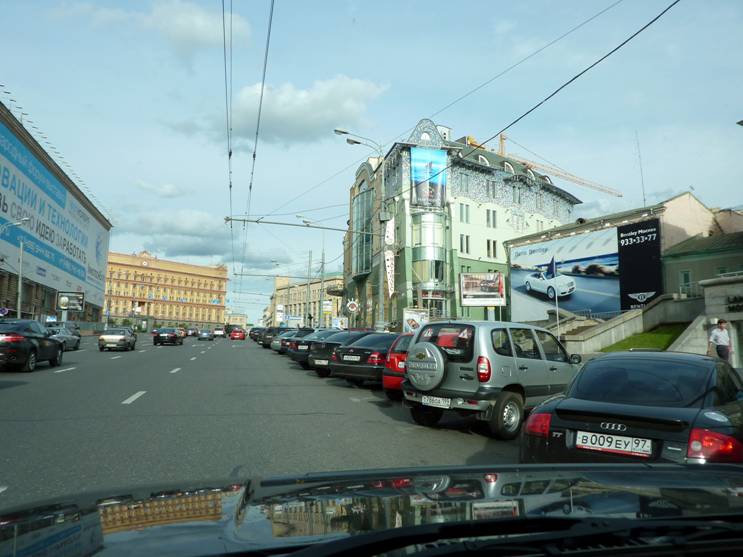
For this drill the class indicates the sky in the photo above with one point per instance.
(133, 96)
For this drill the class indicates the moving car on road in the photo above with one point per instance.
(299, 349)
(489, 369)
(206, 334)
(540, 283)
(642, 406)
(69, 340)
(363, 359)
(24, 343)
(117, 339)
(219, 332)
(320, 352)
(394, 367)
(237, 334)
(167, 335)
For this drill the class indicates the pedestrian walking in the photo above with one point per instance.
(719, 341)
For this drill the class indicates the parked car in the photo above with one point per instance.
(286, 341)
(269, 333)
(219, 332)
(363, 359)
(394, 371)
(299, 349)
(539, 282)
(642, 406)
(206, 334)
(118, 338)
(167, 335)
(69, 340)
(276, 341)
(255, 332)
(24, 343)
(237, 334)
(490, 369)
(320, 352)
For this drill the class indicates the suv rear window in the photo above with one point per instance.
(456, 341)
(645, 382)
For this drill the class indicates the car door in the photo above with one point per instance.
(531, 369)
(560, 371)
(47, 345)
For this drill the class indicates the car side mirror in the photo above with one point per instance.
(575, 358)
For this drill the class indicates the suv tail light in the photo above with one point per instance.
(292, 346)
(12, 338)
(375, 359)
(713, 446)
(538, 425)
(483, 369)
(334, 356)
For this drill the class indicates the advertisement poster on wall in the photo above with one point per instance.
(428, 177)
(64, 246)
(413, 319)
(482, 289)
(600, 272)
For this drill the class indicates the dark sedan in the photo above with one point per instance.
(320, 352)
(167, 335)
(255, 333)
(24, 343)
(287, 340)
(299, 350)
(362, 360)
(269, 334)
(641, 406)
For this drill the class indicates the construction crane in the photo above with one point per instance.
(552, 170)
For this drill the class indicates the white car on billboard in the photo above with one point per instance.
(539, 282)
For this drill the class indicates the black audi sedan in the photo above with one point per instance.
(362, 360)
(321, 351)
(641, 406)
(24, 343)
(299, 349)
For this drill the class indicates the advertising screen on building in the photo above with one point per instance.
(599, 272)
(65, 247)
(428, 177)
(482, 289)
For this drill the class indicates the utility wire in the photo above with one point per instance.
(457, 100)
(228, 117)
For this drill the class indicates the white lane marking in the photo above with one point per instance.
(134, 397)
(192, 359)
(3, 488)
(115, 357)
(82, 350)
(176, 370)
(203, 351)
(65, 369)
(140, 351)
(354, 399)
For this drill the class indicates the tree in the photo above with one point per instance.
(126, 322)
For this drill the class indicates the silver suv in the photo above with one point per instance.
(491, 369)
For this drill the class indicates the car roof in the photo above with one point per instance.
(482, 322)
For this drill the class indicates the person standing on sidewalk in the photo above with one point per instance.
(719, 341)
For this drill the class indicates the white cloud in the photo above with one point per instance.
(164, 190)
(187, 26)
(291, 114)
(503, 26)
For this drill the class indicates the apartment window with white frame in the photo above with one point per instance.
(491, 218)
(464, 243)
(491, 188)
(464, 213)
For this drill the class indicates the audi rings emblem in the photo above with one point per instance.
(609, 426)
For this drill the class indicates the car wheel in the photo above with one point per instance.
(551, 293)
(77, 346)
(304, 365)
(393, 395)
(134, 346)
(527, 286)
(425, 415)
(30, 364)
(57, 360)
(508, 413)
(323, 372)
(101, 349)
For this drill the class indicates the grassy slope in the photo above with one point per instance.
(659, 338)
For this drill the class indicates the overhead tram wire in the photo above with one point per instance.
(457, 100)
(257, 131)
(228, 117)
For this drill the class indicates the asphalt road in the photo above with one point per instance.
(227, 409)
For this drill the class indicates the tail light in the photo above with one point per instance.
(538, 425)
(334, 356)
(400, 483)
(12, 338)
(292, 346)
(375, 359)
(483, 369)
(713, 446)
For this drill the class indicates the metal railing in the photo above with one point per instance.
(691, 290)
(602, 315)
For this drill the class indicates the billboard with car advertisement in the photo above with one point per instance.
(428, 177)
(482, 289)
(65, 246)
(413, 319)
(599, 272)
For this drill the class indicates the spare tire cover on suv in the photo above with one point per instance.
(426, 364)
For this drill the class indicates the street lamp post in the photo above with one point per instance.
(321, 318)
(380, 167)
(3, 228)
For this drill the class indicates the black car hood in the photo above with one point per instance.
(221, 517)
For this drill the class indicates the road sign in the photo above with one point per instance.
(4, 312)
(70, 301)
(352, 306)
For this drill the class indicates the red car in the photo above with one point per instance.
(237, 334)
(394, 369)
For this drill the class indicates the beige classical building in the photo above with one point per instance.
(289, 302)
(141, 286)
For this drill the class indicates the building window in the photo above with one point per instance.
(482, 160)
(464, 243)
(492, 249)
(516, 191)
(490, 218)
(491, 188)
(540, 201)
(464, 213)
(530, 174)
(508, 167)
(465, 182)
